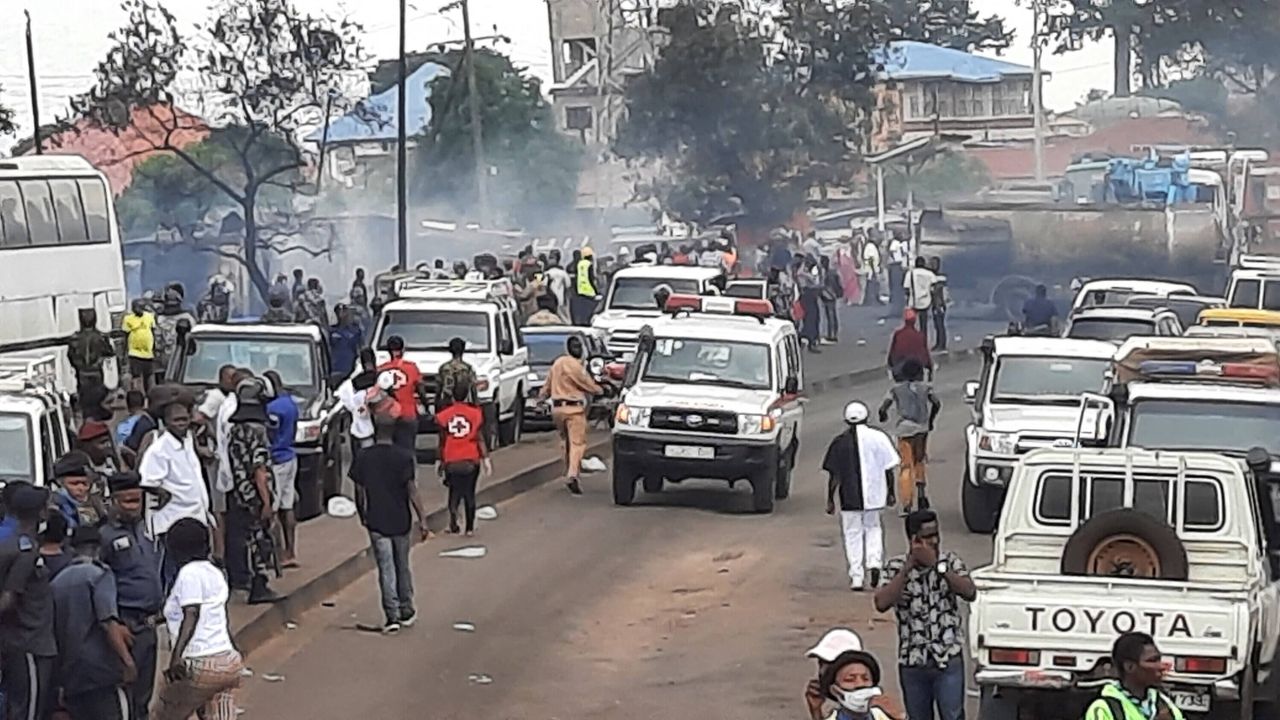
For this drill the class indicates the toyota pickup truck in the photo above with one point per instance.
(1027, 397)
(1093, 543)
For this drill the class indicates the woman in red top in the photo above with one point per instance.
(462, 454)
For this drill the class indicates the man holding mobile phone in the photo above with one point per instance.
(924, 588)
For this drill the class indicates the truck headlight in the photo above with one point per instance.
(308, 431)
(484, 384)
(996, 442)
(632, 416)
(758, 424)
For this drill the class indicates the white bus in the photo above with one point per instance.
(59, 252)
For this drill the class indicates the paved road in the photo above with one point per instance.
(684, 606)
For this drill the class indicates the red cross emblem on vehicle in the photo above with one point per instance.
(459, 426)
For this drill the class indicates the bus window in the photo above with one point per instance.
(40, 218)
(66, 197)
(94, 193)
(13, 219)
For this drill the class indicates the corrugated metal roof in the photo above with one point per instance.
(375, 118)
(912, 60)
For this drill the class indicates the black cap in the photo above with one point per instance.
(86, 534)
(73, 464)
(395, 343)
(124, 481)
(28, 499)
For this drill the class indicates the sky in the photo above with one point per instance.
(72, 35)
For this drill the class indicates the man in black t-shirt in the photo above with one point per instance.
(386, 489)
(28, 648)
(859, 464)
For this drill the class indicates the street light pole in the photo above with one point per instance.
(35, 96)
(473, 105)
(402, 140)
(1037, 99)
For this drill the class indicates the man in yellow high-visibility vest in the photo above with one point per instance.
(585, 296)
(1137, 694)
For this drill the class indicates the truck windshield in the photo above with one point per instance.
(636, 293)
(732, 364)
(1047, 379)
(544, 348)
(15, 448)
(433, 329)
(293, 358)
(1111, 329)
(1205, 425)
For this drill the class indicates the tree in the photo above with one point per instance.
(945, 176)
(262, 72)
(949, 23)
(6, 119)
(534, 174)
(748, 113)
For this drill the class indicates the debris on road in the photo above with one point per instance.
(480, 679)
(487, 512)
(291, 625)
(469, 552)
(273, 677)
(593, 464)
(464, 627)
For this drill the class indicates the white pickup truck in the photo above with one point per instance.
(1094, 543)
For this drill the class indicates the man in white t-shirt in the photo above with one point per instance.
(919, 287)
(859, 464)
(170, 470)
(897, 266)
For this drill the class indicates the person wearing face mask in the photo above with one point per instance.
(1136, 695)
(833, 644)
(852, 683)
(570, 388)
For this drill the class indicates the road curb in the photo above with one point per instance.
(263, 628)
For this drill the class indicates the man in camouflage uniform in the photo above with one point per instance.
(88, 348)
(311, 306)
(453, 372)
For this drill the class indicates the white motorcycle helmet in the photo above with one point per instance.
(855, 413)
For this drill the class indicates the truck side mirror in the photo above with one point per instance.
(791, 386)
(595, 366)
(971, 391)
(506, 347)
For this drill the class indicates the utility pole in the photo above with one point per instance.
(473, 105)
(1037, 99)
(324, 139)
(35, 96)
(402, 153)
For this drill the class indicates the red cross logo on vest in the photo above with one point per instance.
(459, 426)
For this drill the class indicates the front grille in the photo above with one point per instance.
(623, 341)
(723, 423)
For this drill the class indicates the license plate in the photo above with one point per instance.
(1190, 700)
(690, 452)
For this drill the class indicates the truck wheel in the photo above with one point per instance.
(652, 483)
(1125, 543)
(762, 492)
(624, 483)
(782, 484)
(978, 507)
(509, 432)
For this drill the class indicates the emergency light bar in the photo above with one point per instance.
(720, 305)
(1207, 368)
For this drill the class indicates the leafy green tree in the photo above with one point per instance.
(259, 69)
(533, 168)
(748, 113)
(945, 176)
(949, 23)
(6, 119)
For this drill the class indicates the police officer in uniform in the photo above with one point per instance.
(583, 304)
(28, 648)
(135, 560)
(94, 661)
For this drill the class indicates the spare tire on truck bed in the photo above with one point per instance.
(1125, 543)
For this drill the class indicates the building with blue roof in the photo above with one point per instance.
(368, 134)
(926, 89)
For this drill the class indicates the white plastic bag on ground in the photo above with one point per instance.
(487, 512)
(593, 464)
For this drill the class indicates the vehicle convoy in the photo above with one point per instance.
(300, 354)
(1094, 543)
(1115, 323)
(427, 314)
(59, 253)
(34, 418)
(630, 304)
(1186, 307)
(714, 393)
(1118, 291)
(546, 343)
(1255, 283)
(1027, 397)
(1240, 317)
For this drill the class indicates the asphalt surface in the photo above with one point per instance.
(683, 606)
